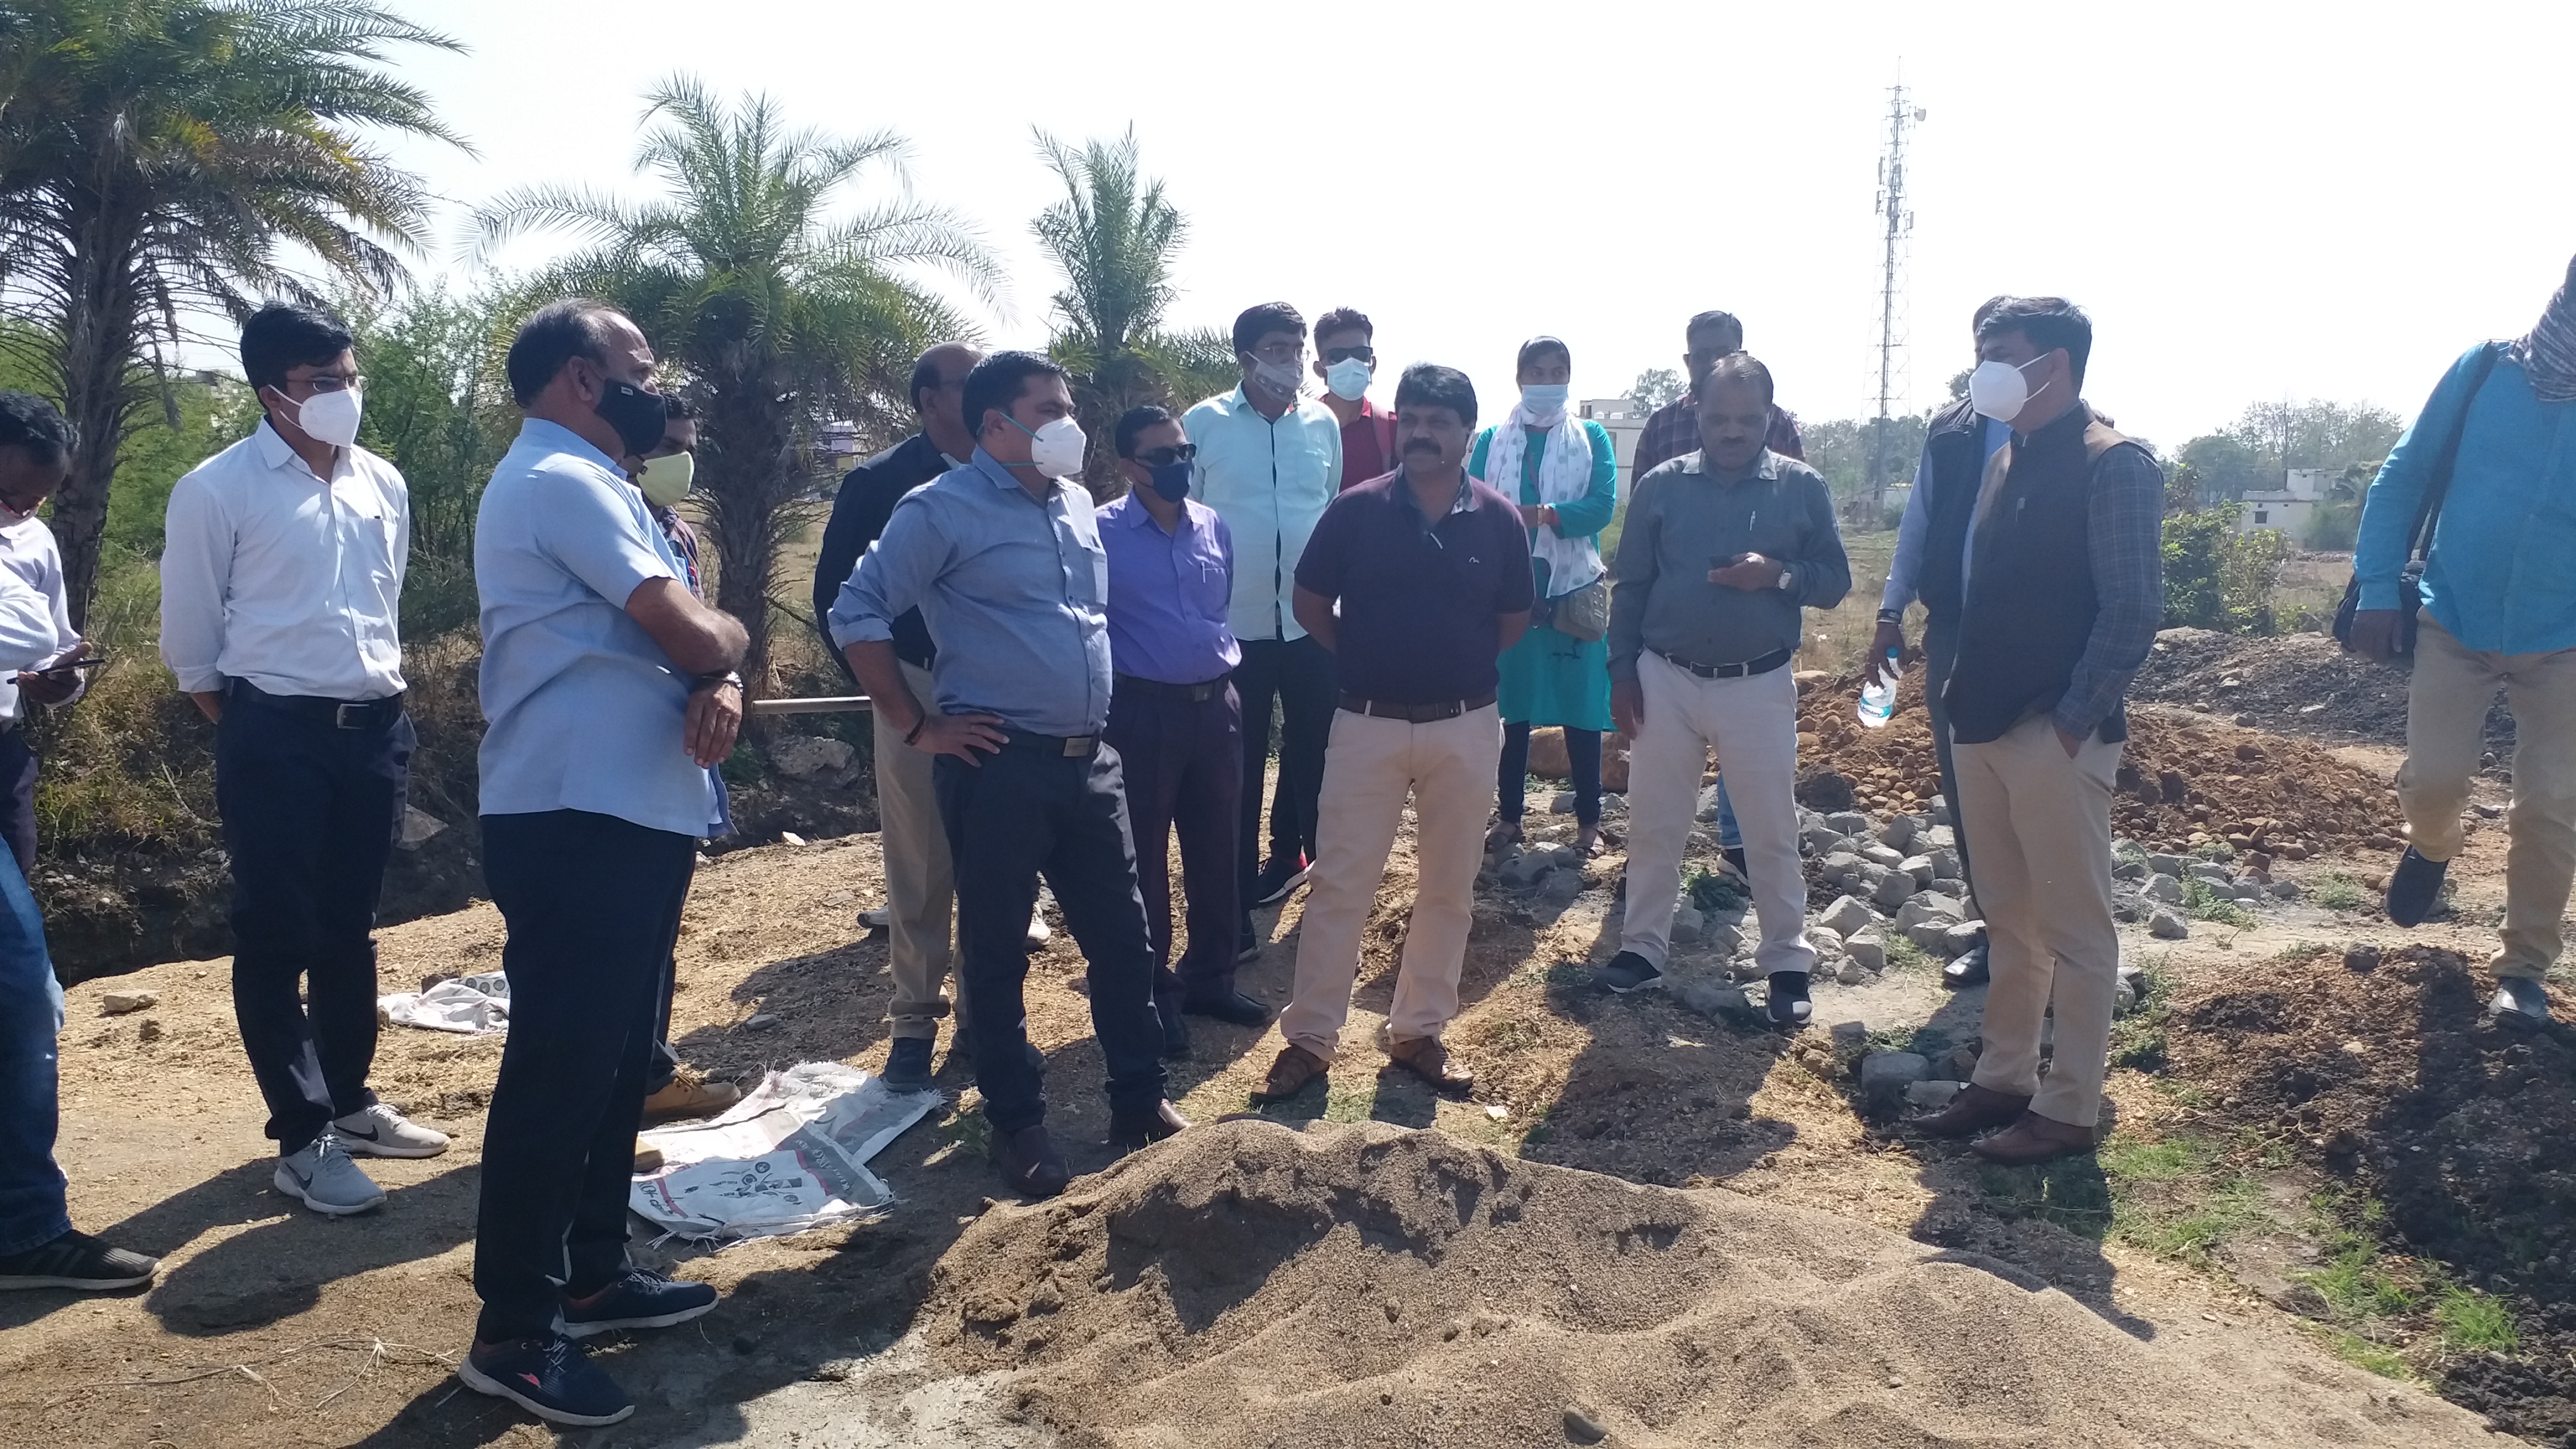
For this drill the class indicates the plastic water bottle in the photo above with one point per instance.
(1878, 697)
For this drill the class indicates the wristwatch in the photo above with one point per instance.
(1788, 581)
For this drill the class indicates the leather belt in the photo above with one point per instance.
(340, 714)
(1194, 693)
(1413, 713)
(1748, 668)
(1071, 747)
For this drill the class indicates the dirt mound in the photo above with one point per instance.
(2302, 683)
(2449, 1132)
(1249, 1285)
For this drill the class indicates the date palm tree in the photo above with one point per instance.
(770, 314)
(158, 161)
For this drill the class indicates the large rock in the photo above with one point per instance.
(2168, 926)
(1713, 998)
(1893, 890)
(1881, 855)
(1840, 869)
(1547, 758)
(2161, 887)
(1687, 926)
(1847, 917)
(2162, 864)
(1521, 869)
(1943, 885)
(1849, 822)
(1962, 938)
(1850, 972)
(1945, 865)
(1722, 936)
(1919, 867)
(806, 757)
(1929, 908)
(1884, 1076)
(1868, 947)
(1937, 810)
(1823, 840)
(2210, 871)
(1899, 833)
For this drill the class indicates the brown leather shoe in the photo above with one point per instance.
(1141, 1127)
(1030, 1163)
(1426, 1058)
(2034, 1139)
(1974, 1110)
(1290, 1074)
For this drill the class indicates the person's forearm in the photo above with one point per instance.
(2124, 545)
(1314, 613)
(872, 662)
(210, 703)
(1907, 566)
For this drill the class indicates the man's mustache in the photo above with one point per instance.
(1423, 445)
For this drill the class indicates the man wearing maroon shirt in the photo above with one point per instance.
(1346, 359)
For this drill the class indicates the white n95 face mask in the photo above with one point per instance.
(1056, 449)
(331, 417)
(1999, 390)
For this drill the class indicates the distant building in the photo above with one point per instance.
(2286, 509)
(1625, 422)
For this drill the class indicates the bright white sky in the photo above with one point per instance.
(2252, 199)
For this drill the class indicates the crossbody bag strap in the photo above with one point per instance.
(2420, 545)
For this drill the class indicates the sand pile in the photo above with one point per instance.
(2301, 682)
(1250, 1285)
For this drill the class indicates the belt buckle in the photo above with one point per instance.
(1079, 746)
(340, 715)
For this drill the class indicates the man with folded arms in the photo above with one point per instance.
(1417, 581)
(1723, 547)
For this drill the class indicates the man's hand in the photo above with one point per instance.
(714, 718)
(1537, 515)
(2374, 634)
(1627, 704)
(1752, 573)
(48, 689)
(960, 735)
(2069, 743)
(1890, 639)
(210, 703)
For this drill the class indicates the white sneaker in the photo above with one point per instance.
(324, 1179)
(380, 1131)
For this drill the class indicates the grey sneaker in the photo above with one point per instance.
(380, 1131)
(324, 1179)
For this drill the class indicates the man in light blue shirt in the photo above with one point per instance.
(1003, 558)
(1268, 463)
(610, 694)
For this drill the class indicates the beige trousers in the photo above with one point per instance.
(2446, 715)
(920, 881)
(1371, 766)
(2042, 823)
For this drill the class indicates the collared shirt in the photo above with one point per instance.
(273, 575)
(1269, 479)
(31, 628)
(1420, 599)
(1168, 593)
(585, 709)
(682, 536)
(1907, 566)
(1368, 444)
(1673, 430)
(1013, 587)
(859, 512)
(28, 554)
(1685, 521)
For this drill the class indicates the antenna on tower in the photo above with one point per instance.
(1899, 225)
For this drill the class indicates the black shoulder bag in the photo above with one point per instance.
(2410, 580)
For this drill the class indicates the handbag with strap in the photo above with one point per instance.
(2419, 544)
(1583, 614)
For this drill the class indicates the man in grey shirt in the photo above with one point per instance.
(1722, 549)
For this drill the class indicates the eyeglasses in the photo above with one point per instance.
(1282, 354)
(1345, 354)
(321, 382)
(1167, 456)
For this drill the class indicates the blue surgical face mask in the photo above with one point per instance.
(1172, 480)
(1543, 399)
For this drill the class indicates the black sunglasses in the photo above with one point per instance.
(1166, 457)
(1344, 354)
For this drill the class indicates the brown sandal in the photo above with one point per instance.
(1295, 1069)
(1426, 1058)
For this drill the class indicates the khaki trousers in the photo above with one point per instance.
(1752, 723)
(2446, 714)
(2042, 823)
(1371, 766)
(920, 880)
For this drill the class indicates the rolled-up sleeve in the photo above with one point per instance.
(196, 567)
(892, 576)
(2124, 538)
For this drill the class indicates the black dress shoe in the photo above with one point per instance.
(1134, 1128)
(1968, 969)
(1030, 1163)
(1233, 1006)
(2519, 1002)
(1176, 1032)
(1789, 1004)
(2414, 888)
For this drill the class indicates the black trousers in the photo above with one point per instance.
(1025, 811)
(1183, 762)
(592, 904)
(18, 798)
(1298, 675)
(1940, 652)
(310, 813)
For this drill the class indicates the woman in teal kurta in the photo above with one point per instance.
(1565, 475)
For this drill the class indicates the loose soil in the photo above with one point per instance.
(2300, 683)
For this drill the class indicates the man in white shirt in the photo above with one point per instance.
(281, 583)
(27, 550)
(1268, 463)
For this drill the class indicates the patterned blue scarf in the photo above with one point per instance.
(2548, 352)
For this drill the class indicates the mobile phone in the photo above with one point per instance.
(73, 666)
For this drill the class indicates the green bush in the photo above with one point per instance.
(2217, 578)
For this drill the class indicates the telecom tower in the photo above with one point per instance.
(1891, 325)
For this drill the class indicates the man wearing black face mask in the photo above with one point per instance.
(1173, 714)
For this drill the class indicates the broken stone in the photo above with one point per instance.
(762, 1021)
(1920, 868)
(804, 757)
(1900, 832)
(118, 1003)
(1561, 887)
(1840, 868)
(1894, 890)
(1849, 822)
(1711, 998)
(1929, 907)
(1938, 809)
(1686, 926)
(1851, 972)
(1848, 917)
(2211, 871)
(2361, 956)
(2167, 926)
(790, 837)
(1707, 807)
(2162, 887)
(1722, 936)
(1930, 935)
(2129, 870)
(1948, 886)
(1880, 855)
(1934, 1095)
(1962, 938)
(1868, 947)
(1885, 1076)
(2162, 864)
(2287, 890)
(1521, 869)
(1561, 803)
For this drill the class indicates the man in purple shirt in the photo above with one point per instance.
(1431, 575)
(1174, 718)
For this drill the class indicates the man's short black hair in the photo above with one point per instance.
(1137, 420)
(1429, 385)
(282, 335)
(1713, 321)
(2049, 322)
(999, 381)
(28, 421)
(1538, 347)
(1986, 309)
(1345, 319)
(553, 335)
(1739, 367)
(1259, 322)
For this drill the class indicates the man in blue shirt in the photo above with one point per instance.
(1003, 558)
(610, 693)
(2499, 611)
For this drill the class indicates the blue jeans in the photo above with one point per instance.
(1729, 837)
(31, 1016)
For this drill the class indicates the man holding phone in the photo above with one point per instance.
(32, 466)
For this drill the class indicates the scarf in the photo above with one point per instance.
(2547, 353)
(1564, 476)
